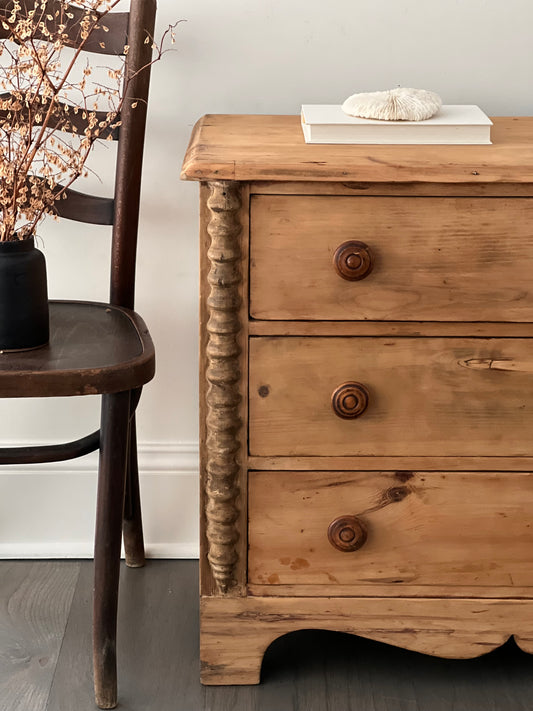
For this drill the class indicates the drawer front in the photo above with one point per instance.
(405, 528)
(424, 396)
(421, 259)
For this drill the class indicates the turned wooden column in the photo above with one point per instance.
(223, 374)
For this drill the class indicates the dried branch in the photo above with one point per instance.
(49, 121)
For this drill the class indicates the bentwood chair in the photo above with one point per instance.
(101, 348)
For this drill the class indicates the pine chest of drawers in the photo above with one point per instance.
(366, 390)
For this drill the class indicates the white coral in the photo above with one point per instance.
(395, 105)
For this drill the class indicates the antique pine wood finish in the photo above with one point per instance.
(458, 528)
(224, 470)
(365, 411)
(272, 148)
(413, 247)
(236, 632)
(425, 396)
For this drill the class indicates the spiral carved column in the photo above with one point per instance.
(223, 374)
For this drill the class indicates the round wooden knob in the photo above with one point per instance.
(349, 400)
(347, 533)
(353, 260)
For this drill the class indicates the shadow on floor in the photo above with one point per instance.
(339, 671)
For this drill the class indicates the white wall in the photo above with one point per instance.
(241, 56)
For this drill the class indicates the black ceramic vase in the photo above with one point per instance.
(24, 321)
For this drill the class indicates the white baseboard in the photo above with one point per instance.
(47, 510)
(69, 549)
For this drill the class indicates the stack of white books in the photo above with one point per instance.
(451, 125)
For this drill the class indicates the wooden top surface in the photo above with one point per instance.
(256, 147)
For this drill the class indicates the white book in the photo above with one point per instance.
(451, 125)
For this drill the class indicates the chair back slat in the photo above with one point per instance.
(67, 119)
(130, 153)
(82, 207)
(110, 41)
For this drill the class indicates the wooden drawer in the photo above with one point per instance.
(434, 259)
(426, 396)
(435, 529)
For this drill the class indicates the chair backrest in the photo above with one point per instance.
(122, 211)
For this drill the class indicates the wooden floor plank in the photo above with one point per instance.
(35, 599)
(310, 670)
(72, 687)
(157, 645)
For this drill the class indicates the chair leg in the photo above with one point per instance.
(109, 511)
(132, 527)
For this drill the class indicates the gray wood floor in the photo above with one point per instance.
(45, 655)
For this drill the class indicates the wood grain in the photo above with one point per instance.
(82, 207)
(137, 68)
(35, 599)
(236, 632)
(439, 259)
(408, 189)
(423, 401)
(272, 148)
(223, 397)
(112, 471)
(94, 348)
(207, 583)
(379, 463)
(100, 41)
(388, 590)
(390, 328)
(309, 669)
(438, 469)
(157, 641)
(438, 529)
(241, 569)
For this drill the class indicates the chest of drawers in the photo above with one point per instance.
(366, 350)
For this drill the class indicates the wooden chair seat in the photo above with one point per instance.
(94, 348)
